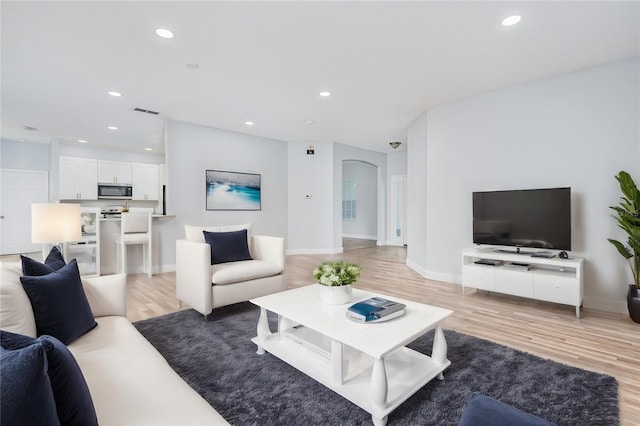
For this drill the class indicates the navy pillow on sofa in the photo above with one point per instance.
(25, 391)
(60, 306)
(53, 262)
(70, 390)
(228, 246)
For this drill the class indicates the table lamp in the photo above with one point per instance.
(55, 223)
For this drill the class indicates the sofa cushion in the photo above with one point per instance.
(484, 411)
(70, 391)
(233, 272)
(16, 314)
(53, 262)
(26, 397)
(59, 303)
(228, 246)
(132, 384)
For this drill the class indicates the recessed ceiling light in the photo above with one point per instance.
(148, 149)
(249, 123)
(310, 122)
(82, 141)
(325, 94)
(164, 33)
(116, 94)
(113, 128)
(511, 20)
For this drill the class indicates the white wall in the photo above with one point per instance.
(191, 150)
(574, 130)
(310, 199)
(365, 177)
(23, 155)
(417, 195)
(396, 163)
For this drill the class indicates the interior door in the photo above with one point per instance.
(20, 188)
(398, 210)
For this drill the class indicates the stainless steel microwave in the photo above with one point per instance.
(115, 191)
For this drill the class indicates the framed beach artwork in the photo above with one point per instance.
(232, 190)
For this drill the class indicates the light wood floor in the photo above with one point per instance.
(598, 341)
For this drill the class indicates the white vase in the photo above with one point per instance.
(336, 295)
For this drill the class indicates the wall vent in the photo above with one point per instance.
(148, 111)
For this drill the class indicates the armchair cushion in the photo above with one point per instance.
(53, 262)
(229, 273)
(59, 303)
(228, 246)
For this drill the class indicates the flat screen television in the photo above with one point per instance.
(535, 218)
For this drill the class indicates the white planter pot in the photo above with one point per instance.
(336, 295)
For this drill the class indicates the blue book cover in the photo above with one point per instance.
(374, 309)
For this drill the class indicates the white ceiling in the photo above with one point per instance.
(383, 62)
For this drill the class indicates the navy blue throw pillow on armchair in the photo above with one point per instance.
(228, 246)
(53, 262)
(60, 306)
(70, 391)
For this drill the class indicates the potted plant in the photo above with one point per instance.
(628, 218)
(336, 277)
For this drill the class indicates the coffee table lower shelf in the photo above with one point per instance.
(405, 370)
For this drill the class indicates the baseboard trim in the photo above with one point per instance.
(335, 250)
(432, 275)
(360, 237)
(608, 305)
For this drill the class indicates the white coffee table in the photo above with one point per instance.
(368, 364)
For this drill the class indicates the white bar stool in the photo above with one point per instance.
(135, 228)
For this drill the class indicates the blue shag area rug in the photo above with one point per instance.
(219, 361)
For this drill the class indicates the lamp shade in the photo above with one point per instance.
(55, 223)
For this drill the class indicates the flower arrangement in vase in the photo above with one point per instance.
(337, 278)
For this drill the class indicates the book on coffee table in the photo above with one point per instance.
(375, 309)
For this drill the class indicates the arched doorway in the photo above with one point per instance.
(359, 205)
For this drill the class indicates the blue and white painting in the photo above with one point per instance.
(232, 191)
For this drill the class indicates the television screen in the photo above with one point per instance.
(537, 218)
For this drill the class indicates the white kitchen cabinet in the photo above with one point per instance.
(145, 182)
(78, 179)
(114, 172)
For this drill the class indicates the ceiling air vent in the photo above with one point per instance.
(148, 111)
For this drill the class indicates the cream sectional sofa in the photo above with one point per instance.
(129, 381)
(204, 286)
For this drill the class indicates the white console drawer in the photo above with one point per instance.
(480, 277)
(556, 288)
(517, 283)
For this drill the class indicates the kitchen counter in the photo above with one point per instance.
(154, 216)
(110, 234)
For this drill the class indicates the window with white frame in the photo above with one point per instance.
(349, 200)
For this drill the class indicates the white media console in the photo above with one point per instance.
(549, 279)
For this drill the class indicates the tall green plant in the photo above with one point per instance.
(628, 218)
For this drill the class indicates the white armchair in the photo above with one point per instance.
(204, 286)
